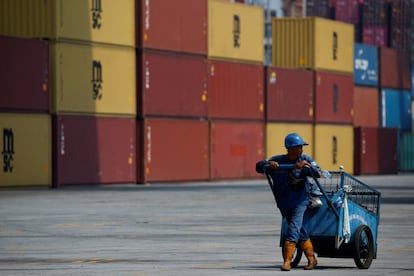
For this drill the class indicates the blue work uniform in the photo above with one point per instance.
(291, 203)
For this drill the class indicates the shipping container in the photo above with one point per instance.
(320, 8)
(235, 31)
(24, 75)
(172, 84)
(92, 150)
(406, 112)
(26, 149)
(175, 149)
(102, 21)
(178, 26)
(366, 106)
(375, 35)
(389, 144)
(235, 146)
(334, 147)
(407, 152)
(334, 99)
(235, 90)
(348, 11)
(93, 79)
(400, 25)
(366, 150)
(412, 81)
(286, 88)
(395, 71)
(313, 43)
(276, 133)
(395, 109)
(366, 69)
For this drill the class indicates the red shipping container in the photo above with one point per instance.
(175, 149)
(334, 98)
(366, 106)
(348, 11)
(376, 35)
(235, 147)
(388, 144)
(172, 84)
(287, 88)
(24, 75)
(395, 69)
(93, 150)
(366, 150)
(235, 90)
(179, 25)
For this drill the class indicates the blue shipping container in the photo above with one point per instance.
(395, 109)
(412, 81)
(365, 65)
(405, 110)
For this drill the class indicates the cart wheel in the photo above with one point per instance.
(297, 255)
(364, 247)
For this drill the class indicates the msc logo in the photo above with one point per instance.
(96, 14)
(8, 150)
(96, 80)
(236, 31)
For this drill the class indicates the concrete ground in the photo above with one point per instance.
(203, 228)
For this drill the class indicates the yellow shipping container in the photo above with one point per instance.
(334, 146)
(235, 31)
(26, 149)
(103, 21)
(276, 133)
(313, 43)
(93, 79)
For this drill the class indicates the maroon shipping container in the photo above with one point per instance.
(175, 149)
(388, 144)
(24, 75)
(366, 106)
(179, 25)
(93, 150)
(375, 35)
(235, 148)
(348, 11)
(334, 97)
(172, 84)
(287, 88)
(395, 69)
(366, 150)
(235, 90)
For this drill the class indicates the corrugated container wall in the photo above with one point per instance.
(388, 155)
(366, 68)
(236, 90)
(172, 84)
(286, 88)
(334, 99)
(366, 150)
(394, 69)
(103, 21)
(94, 79)
(178, 26)
(24, 75)
(396, 109)
(93, 150)
(171, 154)
(366, 106)
(235, 146)
(275, 137)
(334, 147)
(235, 31)
(314, 43)
(26, 149)
(407, 152)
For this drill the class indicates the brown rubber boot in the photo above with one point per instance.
(288, 250)
(307, 248)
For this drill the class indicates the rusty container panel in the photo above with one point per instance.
(388, 147)
(235, 147)
(334, 98)
(395, 71)
(366, 106)
(334, 146)
(276, 133)
(24, 75)
(172, 84)
(26, 149)
(236, 90)
(366, 150)
(94, 79)
(93, 150)
(286, 88)
(178, 26)
(175, 150)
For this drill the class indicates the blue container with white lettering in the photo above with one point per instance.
(365, 65)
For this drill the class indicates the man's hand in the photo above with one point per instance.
(273, 164)
(302, 163)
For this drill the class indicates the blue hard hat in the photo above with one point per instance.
(293, 140)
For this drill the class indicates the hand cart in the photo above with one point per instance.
(346, 225)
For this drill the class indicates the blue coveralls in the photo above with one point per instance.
(292, 204)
